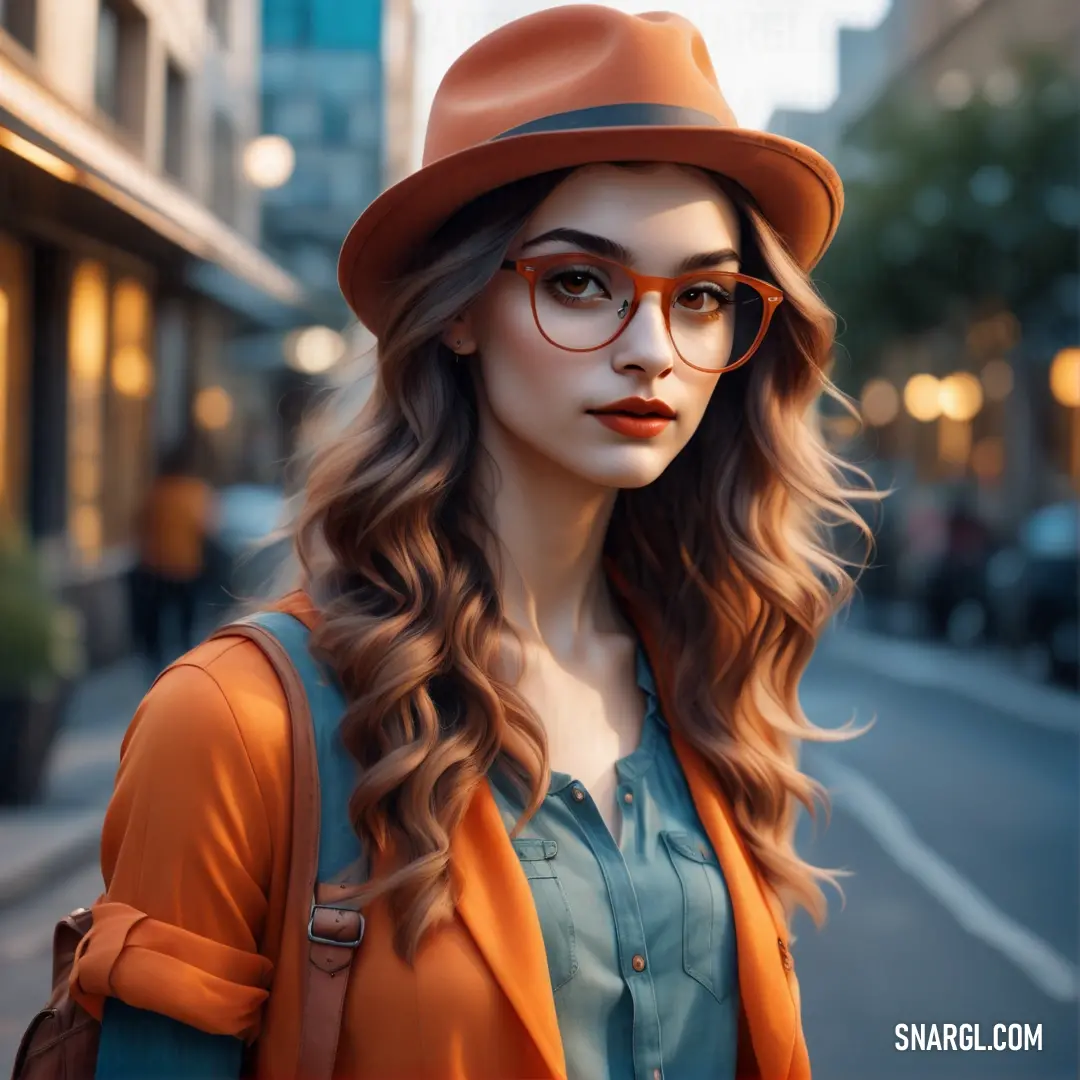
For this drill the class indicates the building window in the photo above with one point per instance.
(110, 380)
(19, 19)
(175, 121)
(335, 125)
(284, 23)
(131, 382)
(120, 64)
(223, 179)
(217, 15)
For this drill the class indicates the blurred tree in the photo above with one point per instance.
(954, 211)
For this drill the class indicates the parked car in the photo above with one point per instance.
(1034, 590)
(243, 555)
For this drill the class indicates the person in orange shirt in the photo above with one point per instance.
(176, 518)
(567, 566)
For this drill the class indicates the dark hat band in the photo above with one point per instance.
(630, 114)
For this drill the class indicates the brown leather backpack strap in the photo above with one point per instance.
(333, 932)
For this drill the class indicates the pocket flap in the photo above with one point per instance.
(685, 845)
(531, 850)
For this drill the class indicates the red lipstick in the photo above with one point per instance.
(636, 418)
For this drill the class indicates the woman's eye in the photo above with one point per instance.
(705, 299)
(579, 285)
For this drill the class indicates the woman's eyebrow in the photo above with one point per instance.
(612, 249)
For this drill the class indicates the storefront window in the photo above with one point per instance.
(110, 382)
(87, 349)
(131, 382)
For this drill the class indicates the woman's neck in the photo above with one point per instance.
(549, 526)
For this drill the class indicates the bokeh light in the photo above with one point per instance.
(314, 350)
(922, 397)
(1065, 378)
(269, 161)
(213, 408)
(880, 402)
(960, 396)
(997, 379)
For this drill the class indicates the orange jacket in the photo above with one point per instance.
(195, 855)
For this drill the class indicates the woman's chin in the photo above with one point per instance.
(623, 467)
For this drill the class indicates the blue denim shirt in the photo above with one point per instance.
(639, 933)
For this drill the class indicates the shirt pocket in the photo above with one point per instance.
(538, 860)
(708, 930)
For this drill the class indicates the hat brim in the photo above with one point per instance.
(798, 190)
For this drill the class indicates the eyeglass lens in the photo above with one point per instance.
(581, 304)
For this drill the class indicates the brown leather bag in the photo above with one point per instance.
(61, 1042)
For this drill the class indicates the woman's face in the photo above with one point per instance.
(542, 400)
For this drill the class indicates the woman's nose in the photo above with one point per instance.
(645, 344)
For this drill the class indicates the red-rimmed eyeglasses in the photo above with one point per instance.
(716, 318)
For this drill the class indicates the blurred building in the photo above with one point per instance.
(337, 84)
(128, 258)
(934, 52)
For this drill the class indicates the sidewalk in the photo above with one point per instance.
(63, 831)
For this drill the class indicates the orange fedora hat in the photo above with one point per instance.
(574, 86)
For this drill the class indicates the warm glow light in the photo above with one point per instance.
(954, 441)
(988, 458)
(880, 402)
(87, 342)
(997, 380)
(213, 408)
(33, 153)
(131, 311)
(86, 329)
(314, 349)
(132, 374)
(269, 161)
(1065, 378)
(961, 396)
(922, 397)
(86, 529)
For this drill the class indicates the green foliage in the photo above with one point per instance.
(27, 620)
(956, 211)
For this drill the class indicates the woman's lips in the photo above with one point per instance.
(634, 427)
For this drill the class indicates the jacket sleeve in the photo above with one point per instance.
(186, 858)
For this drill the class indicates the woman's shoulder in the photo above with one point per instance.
(223, 693)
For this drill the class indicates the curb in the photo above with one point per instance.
(79, 845)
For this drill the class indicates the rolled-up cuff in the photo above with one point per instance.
(152, 965)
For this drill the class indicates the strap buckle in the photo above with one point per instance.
(344, 944)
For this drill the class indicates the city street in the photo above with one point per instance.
(958, 815)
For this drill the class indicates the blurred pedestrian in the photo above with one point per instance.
(176, 518)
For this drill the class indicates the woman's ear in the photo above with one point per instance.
(458, 336)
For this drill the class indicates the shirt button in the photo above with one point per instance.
(628, 797)
(578, 794)
(638, 962)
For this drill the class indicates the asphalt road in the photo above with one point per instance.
(959, 817)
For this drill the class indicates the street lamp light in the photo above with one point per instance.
(961, 396)
(269, 161)
(314, 349)
(1065, 377)
(922, 397)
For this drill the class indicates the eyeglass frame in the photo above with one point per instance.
(771, 298)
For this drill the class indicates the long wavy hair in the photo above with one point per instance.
(730, 548)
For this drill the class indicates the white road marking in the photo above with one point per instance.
(1049, 971)
(934, 668)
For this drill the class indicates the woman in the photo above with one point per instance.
(567, 567)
